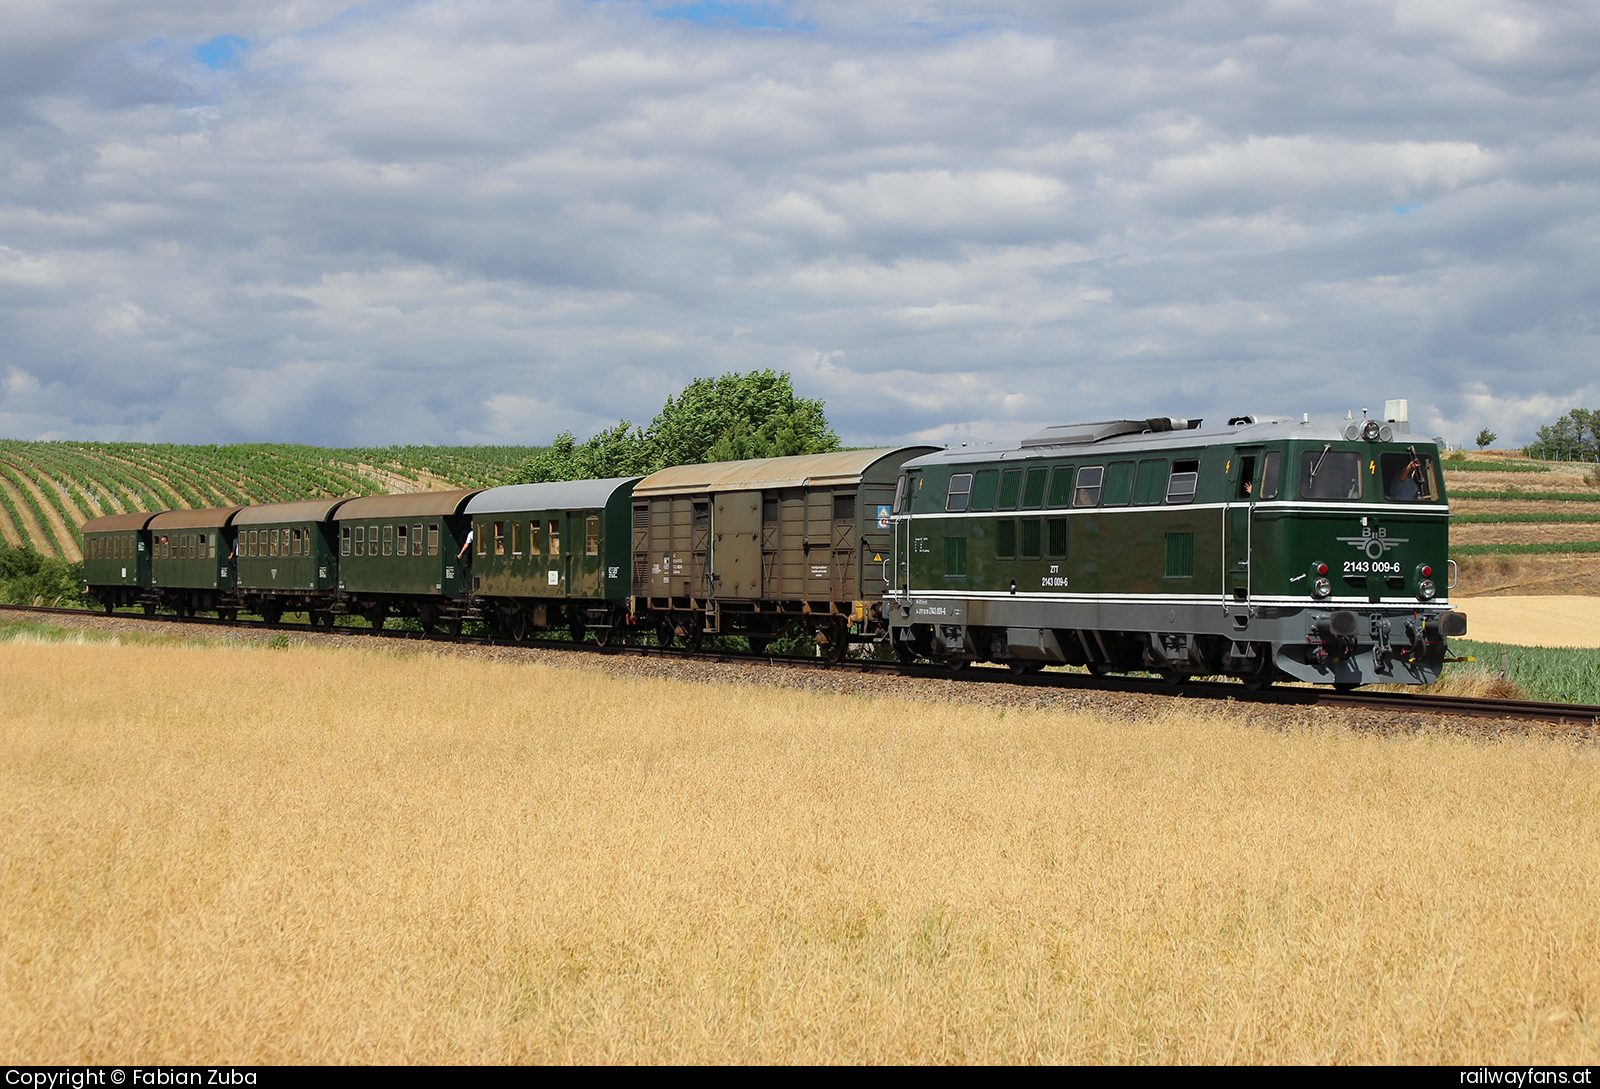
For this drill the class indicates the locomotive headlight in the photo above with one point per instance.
(1425, 590)
(1321, 588)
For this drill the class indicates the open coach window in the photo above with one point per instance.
(1330, 474)
(1408, 477)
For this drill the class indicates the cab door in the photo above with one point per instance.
(1244, 488)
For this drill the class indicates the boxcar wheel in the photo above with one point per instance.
(578, 631)
(110, 608)
(149, 609)
(758, 643)
(1026, 666)
(664, 634)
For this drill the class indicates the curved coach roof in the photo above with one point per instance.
(802, 470)
(112, 523)
(555, 495)
(306, 510)
(204, 518)
(410, 505)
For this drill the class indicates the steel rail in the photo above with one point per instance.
(1392, 702)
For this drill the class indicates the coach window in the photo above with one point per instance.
(535, 543)
(516, 538)
(361, 537)
(1272, 475)
(591, 532)
(1005, 539)
(1330, 474)
(1030, 538)
(1181, 484)
(1119, 484)
(555, 537)
(401, 546)
(1010, 489)
(955, 557)
(959, 497)
(344, 540)
(416, 539)
(1061, 486)
(433, 540)
(1033, 488)
(1090, 479)
(1055, 544)
(1151, 487)
(499, 538)
(388, 540)
(372, 540)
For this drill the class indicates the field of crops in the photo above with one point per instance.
(49, 489)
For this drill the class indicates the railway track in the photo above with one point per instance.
(1394, 702)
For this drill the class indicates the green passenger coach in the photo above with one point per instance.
(1270, 548)
(189, 566)
(556, 553)
(116, 558)
(287, 555)
(399, 556)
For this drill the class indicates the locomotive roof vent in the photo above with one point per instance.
(1083, 433)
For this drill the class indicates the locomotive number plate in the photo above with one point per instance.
(1371, 567)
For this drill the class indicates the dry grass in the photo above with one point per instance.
(305, 855)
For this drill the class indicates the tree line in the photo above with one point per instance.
(1573, 437)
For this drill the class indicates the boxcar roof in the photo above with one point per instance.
(412, 505)
(306, 510)
(204, 518)
(113, 523)
(803, 470)
(555, 495)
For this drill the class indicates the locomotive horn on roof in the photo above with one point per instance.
(1083, 433)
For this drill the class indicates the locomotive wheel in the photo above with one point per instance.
(956, 665)
(1170, 676)
(1256, 682)
(905, 652)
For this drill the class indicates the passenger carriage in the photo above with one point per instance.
(190, 570)
(1272, 547)
(553, 554)
(287, 559)
(116, 558)
(400, 555)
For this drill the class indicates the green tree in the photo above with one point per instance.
(1576, 435)
(737, 416)
(27, 578)
(1486, 438)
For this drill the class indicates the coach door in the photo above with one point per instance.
(1238, 512)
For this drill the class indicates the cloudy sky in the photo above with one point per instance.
(492, 220)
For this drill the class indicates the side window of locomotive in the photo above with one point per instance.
(1005, 539)
(1272, 475)
(1151, 486)
(960, 494)
(1090, 479)
(1033, 487)
(1061, 486)
(984, 485)
(1055, 543)
(1330, 474)
(1247, 477)
(1181, 484)
(899, 499)
(1010, 489)
(1119, 484)
(1407, 479)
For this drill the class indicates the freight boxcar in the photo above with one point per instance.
(557, 553)
(764, 546)
(401, 555)
(1269, 548)
(287, 559)
(116, 559)
(189, 566)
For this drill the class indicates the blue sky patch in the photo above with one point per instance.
(712, 13)
(223, 51)
(1404, 209)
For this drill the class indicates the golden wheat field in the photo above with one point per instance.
(305, 855)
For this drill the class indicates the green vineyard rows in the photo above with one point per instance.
(82, 480)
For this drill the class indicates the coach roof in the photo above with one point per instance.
(555, 495)
(119, 523)
(204, 518)
(412, 505)
(306, 510)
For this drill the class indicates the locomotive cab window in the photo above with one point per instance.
(960, 495)
(1247, 477)
(1090, 480)
(1181, 484)
(1271, 476)
(899, 498)
(1408, 478)
(1330, 474)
